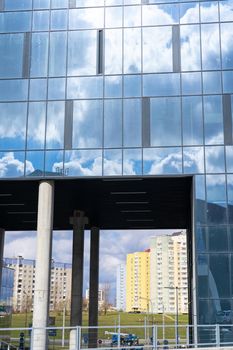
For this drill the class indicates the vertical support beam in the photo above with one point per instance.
(2, 5)
(93, 288)
(68, 132)
(100, 52)
(26, 55)
(146, 122)
(227, 118)
(2, 239)
(78, 221)
(176, 48)
(43, 260)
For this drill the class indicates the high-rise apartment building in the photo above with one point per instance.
(138, 281)
(169, 278)
(24, 284)
(121, 287)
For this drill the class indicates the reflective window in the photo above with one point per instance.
(214, 158)
(84, 87)
(15, 22)
(113, 86)
(132, 44)
(160, 14)
(87, 124)
(11, 55)
(229, 159)
(190, 47)
(58, 19)
(83, 163)
(88, 3)
(85, 43)
(13, 118)
(189, 12)
(161, 84)
(210, 46)
(132, 123)
(59, 4)
(213, 119)
(113, 17)
(112, 123)
(86, 18)
(54, 163)
(113, 51)
(113, 162)
(165, 121)
(161, 49)
(227, 78)
(132, 16)
(191, 83)
(56, 89)
(226, 8)
(41, 4)
(219, 272)
(132, 162)
(216, 189)
(34, 163)
(13, 90)
(192, 120)
(226, 45)
(36, 125)
(209, 11)
(132, 85)
(38, 89)
(212, 82)
(40, 20)
(57, 54)
(17, 5)
(162, 161)
(12, 164)
(55, 125)
(39, 54)
(193, 158)
(218, 238)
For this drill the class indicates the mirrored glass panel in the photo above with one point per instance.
(214, 159)
(12, 164)
(113, 86)
(84, 87)
(160, 14)
(38, 89)
(40, 20)
(113, 123)
(161, 49)
(219, 270)
(54, 163)
(87, 124)
(132, 44)
(59, 3)
(55, 125)
(191, 83)
(213, 119)
(165, 121)
(34, 165)
(39, 55)
(88, 3)
(86, 18)
(15, 22)
(226, 45)
(85, 43)
(41, 4)
(132, 161)
(216, 197)
(57, 54)
(83, 163)
(36, 125)
(132, 123)
(192, 120)
(13, 90)
(229, 159)
(212, 82)
(193, 158)
(161, 84)
(58, 20)
(227, 78)
(56, 88)
(210, 46)
(13, 118)
(209, 11)
(162, 161)
(190, 47)
(11, 55)
(17, 5)
(112, 162)
(113, 51)
(132, 85)
(218, 238)
(113, 17)
(189, 12)
(132, 16)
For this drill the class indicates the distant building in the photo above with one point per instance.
(169, 270)
(121, 287)
(101, 298)
(24, 284)
(138, 281)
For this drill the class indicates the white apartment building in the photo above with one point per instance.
(101, 297)
(24, 283)
(168, 271)
(121, 287)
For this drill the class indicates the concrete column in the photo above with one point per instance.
(2, 239)
(78, 221)
(93, 287)
(43, 260)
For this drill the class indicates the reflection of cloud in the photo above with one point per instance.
(82, 164)
(193, 160)
(165, 161)
(11, 166)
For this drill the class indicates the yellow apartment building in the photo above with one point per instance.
(138, 281)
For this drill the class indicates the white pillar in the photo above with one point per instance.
(2, 238)
(43, 260)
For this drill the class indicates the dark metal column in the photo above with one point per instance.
(78, 221)
(93, 288)
(2, 239)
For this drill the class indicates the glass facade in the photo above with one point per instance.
(127, 87)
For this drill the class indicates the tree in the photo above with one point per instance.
(106, 298)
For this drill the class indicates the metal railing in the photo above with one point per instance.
(120, 337)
